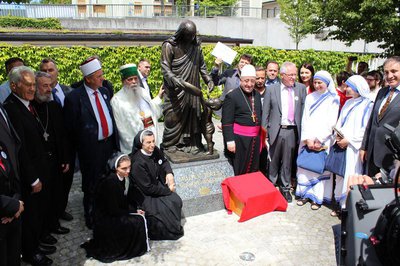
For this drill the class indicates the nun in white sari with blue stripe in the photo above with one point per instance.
(352, 122)
(320, 114)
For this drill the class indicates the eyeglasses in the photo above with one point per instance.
(290, 75)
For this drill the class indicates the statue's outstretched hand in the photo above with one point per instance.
(210, 86)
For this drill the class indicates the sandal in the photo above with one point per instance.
(315, 206)
(301, 202)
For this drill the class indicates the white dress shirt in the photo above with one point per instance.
(92, 98)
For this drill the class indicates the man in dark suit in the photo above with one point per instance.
(32, 161)
(59, 91)
(144, 68)
(11, 206)
(91, 125)
(386, 110)
(282, 112)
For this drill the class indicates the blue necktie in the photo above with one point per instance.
(55, 97)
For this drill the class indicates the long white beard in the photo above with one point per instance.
(134, 93)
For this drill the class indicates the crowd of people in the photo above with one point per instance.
(279, 119)
(311, 137)
(47, 127)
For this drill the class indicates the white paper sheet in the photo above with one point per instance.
(224, 52)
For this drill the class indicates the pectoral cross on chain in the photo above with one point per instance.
(253, 115)
(46, 136)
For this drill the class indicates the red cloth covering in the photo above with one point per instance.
(256, 192)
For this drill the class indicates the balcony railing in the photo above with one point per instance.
(130, 10)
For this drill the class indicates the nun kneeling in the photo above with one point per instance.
(152, 174)
(119, 231)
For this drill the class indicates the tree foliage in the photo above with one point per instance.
(369, 20)
(299, 15)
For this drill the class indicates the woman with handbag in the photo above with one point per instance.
(319, 116)
(349, 133)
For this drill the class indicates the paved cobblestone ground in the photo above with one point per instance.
(299, 236)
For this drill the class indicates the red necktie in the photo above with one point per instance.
(2, 165)
(103, 119)
(31, 109)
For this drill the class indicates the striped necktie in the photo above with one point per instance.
(386, 105)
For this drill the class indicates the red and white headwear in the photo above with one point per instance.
(90, 66)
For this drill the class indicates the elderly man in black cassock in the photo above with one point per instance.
(51, 124)
(241, 117)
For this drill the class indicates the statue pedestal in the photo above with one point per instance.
(199, 185)
(184, 157)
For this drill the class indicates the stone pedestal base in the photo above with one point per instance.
(184, 157)
(199, 185)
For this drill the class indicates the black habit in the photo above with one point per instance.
(163, 208)
(119, 233)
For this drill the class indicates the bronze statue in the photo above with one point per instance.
(186, 113)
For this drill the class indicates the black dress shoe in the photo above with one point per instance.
(61, 230)
(38, 260)
(66, 217)
(47, 250)
(287, 196)
(89, 223)
(48, 240)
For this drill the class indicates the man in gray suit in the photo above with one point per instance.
(386, 110)
(282, 112)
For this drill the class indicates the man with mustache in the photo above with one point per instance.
(133, 108)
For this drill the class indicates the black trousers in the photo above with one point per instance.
(10, 243)
(51, 195)
(67, 179)
(31, 224)
(92, 170)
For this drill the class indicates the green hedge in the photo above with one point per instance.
(69, 58)
(21, 22)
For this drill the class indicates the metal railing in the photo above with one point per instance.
(130, 10)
